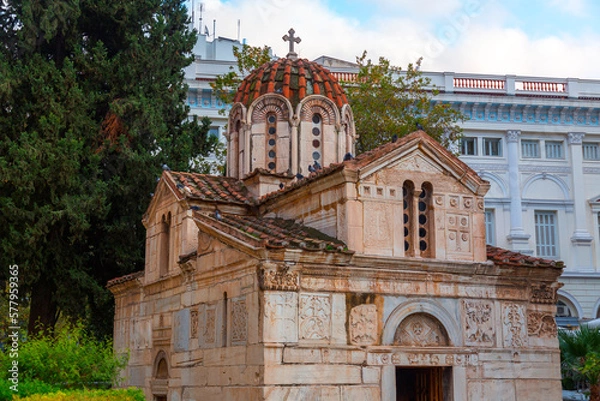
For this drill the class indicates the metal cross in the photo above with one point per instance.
(292, 39)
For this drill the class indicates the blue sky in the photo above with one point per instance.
(549, 38)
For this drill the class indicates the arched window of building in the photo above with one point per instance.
(159, 385)
(235, 150)
(317, 138)
(164, 244)
(271, 141)
(426, 221)
(408, 194)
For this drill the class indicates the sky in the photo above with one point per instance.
(542, 38)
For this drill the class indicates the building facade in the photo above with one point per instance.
(308, 273)
(537, 140)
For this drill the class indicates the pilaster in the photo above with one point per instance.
(518, 239)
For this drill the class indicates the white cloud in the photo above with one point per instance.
(474, 38)
(574, 7)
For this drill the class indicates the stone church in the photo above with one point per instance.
(308, 273)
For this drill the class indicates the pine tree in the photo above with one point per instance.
(91, 106)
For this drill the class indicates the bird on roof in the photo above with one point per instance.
(311, 169)
(165, 167)
(299, 176)
(196, 208)
(218, 214)
(179, 185)
(394, 138)
(316, 165)
(281, 185)
(420, 127)
(348, 156)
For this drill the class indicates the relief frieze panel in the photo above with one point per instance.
(541, 324)
(543, 294)
(280, 317)
(363, 325)
(478, 321)
(421, 330)
(514, 327)
(315, 317)
(277, 277)
(239, 319)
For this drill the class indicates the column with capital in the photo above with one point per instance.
(581, 238)
(517, 237)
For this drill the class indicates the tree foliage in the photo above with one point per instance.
(387, 101)
(580, 357)
(92, 104)
(248, 59)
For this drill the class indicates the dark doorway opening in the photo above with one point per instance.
(160, 398)
(424, 384)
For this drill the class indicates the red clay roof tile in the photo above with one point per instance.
(210, 188)
(124, 279)
(511, 258)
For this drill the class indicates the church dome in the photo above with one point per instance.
(295, 79)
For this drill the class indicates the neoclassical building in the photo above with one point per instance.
(310, 273)
(535, 139)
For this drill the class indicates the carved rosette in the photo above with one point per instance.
(543, 294)
(513, 325)
(363, 325)
(478, 321)
(277, 277)
(541, 324)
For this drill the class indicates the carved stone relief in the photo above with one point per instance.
(315, 317)
(421, 330)
(280, 312)
(239, 319)
(194, 324)
(363, 325)
(459, 232)
(478, 322)
(210, 325)
(277, 277)
(513, 325)
(543, 294)
(541, 324)
(379, 230)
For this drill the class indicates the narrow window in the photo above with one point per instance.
(164, 244)
(530, 148)
(546, 234)
(591, 151)
(468, 146)
(554, 150)
(490, 228)
(408, 191)
(224, 324)
(492, 146)
(271, 139)
(426, 221)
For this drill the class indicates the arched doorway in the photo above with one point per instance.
(422, 383)
(160, 381)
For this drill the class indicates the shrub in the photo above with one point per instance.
(130, 394)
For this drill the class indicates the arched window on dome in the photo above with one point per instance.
(271, 141)
(317, 138)
(236, 154)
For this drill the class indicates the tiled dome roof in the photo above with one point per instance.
(293, 78)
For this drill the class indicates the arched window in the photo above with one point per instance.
(425, 221)
(271, 141)
(164, 245)
(408, 194)
(236, 154)
(317, 138)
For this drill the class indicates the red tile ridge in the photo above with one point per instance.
(124, 279)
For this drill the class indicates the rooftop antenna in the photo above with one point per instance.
(214, 29)
(201, 10)
(238, 35)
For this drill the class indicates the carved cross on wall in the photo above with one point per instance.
(291, 39)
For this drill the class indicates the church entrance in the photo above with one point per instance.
(423, 384)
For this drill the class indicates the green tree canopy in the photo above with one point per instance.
(580, 357)
(92, 104)
(248, 59)
(388, 101)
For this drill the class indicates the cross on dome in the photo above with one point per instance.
(291, 39)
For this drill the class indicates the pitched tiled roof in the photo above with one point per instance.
(273, 233)
(511, 258)
(294, 79)
(124, 279)
(210, 188)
